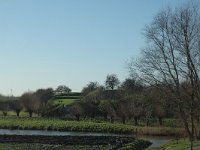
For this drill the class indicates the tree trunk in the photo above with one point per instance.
(112, 119)
(147, 123)
(78, 117)
(30, 114)
(17, 113)
(124, 119)
(192, 134)
(105, 116)
(191, 145)
(92, 115)
(160, 121)
(4, 114)
(198, 121)
(136, 121)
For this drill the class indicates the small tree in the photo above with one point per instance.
(4, 107)
(135, 107)
(16, 106)
(44, 95)
(94, 96)
(112, 81)
(122, 110)
(77, 110)
(90, 109)
(62, 89)
(132, 86)
(103, 107)
(30, 102)
(158, 100)
(89, 88)
(107, 107)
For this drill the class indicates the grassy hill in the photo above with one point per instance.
(65, 99)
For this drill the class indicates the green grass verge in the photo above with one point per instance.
(62, 125)
(177, 145)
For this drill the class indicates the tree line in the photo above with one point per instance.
(131, 100)
(31, 102)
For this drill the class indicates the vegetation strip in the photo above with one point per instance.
(83, 126)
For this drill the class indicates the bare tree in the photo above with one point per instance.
(172, 56)
(132, 86)
(135, 107)
(92, 86)
(77, 110)
(156, 97)
(93, 96)
(4, 107)
(16, 105)
(107, 107)
(44, 95)
(122, 109)
(30, 102)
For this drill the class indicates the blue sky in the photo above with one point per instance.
(46, 43)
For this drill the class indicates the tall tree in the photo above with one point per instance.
(172, 55)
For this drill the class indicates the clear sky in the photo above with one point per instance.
(46, 43)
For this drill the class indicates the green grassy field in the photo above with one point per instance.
(66, 100)
(62, 101)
